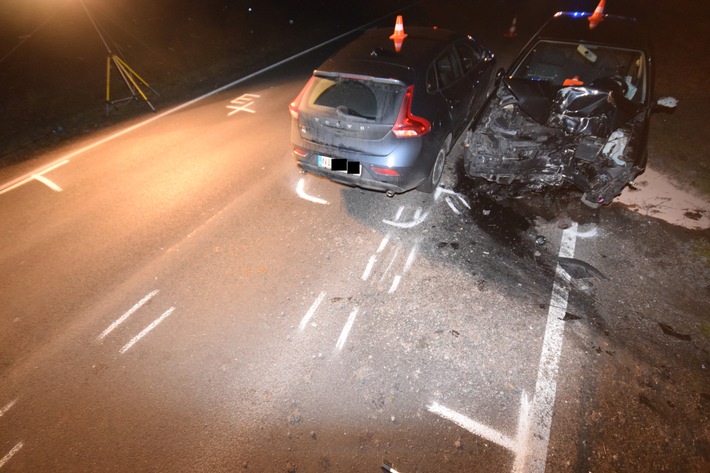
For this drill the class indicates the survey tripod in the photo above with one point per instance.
(132, 80)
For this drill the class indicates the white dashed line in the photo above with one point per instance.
(368, 268)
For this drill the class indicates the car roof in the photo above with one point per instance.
(613, 30)
(373, 54)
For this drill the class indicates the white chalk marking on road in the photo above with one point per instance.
(394, 257)
(346, 329)
(368, 268)
(383, 243)
(128, 313)
(521, 444)
(145, 331)
(47, 182)
(440, 190)
(419, 217)
(546, 386)
(472, 426)
(306, 318)
(395, 283)
(302, 194)
(11, 453)
(592, 232)
(398, 215)
(7, 407)
(451, 205)
(242, 104)
(38, 176)
(411, 257)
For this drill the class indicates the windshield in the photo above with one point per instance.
(575, 64)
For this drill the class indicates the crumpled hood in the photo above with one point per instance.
(596, 109)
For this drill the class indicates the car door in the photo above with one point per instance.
(462, 82)
(452, 89)
(475, 75)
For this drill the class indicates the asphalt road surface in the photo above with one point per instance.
(177, 297)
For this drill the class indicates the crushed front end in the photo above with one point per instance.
(537, 135)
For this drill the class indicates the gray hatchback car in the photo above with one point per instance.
(383, 112)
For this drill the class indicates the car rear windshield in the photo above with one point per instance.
(557, 62)
(353, 98)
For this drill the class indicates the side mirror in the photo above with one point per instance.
(665, 104)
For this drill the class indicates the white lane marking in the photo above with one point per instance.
(145, 331)
(302, 194)
(127, 314)
(311, 311)
(368, 268)
(346, 329)
(419, 217)
(546, 386)
(521, 444)
(242, 104)
(472, 426)
(11, 453)
(452, 206)
(7, 407)
(38, 176)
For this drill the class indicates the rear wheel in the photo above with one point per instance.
(437, 170)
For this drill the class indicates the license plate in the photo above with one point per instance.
(340, 165)
(325, 162)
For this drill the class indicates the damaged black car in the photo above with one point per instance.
(573, 109)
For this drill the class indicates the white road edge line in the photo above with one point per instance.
(127, 314)
(47, 182)
(546, 387)
(311, 311)
(145, 331)
(11, 453)
(346, 329)
(7, 407)
(302, 193)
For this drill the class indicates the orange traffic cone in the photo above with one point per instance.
(512, 31)
(597, 16)
(399, 34)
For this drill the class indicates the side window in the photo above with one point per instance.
(470, 55)
(447, 70)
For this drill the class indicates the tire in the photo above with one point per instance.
(437, 170)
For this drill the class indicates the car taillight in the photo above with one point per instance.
(385, 171)
(293, 106)
(407, 124)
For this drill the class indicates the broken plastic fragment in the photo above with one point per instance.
(668, 330)
(579, 269)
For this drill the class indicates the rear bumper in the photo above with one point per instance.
(363, 180)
